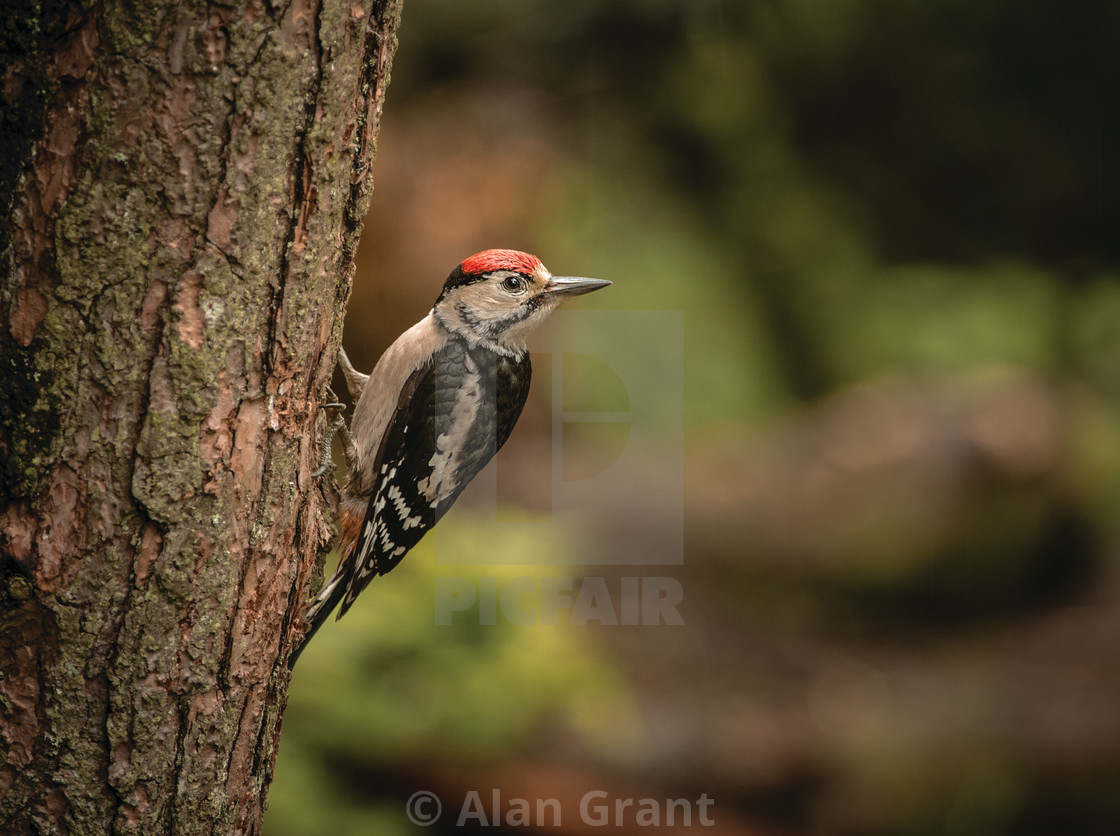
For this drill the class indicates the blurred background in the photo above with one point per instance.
(880, 428)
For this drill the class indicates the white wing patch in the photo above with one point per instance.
(404, 513)
(364, 565)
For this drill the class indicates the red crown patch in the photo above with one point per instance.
(489, 260)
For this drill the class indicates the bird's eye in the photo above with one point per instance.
(514, 284)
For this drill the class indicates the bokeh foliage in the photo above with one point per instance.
(891, 227)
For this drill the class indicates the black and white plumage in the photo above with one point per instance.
(438, 405)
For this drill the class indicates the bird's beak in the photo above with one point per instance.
(573, 285)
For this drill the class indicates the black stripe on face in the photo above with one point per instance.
(467, 317)
(499, 326)
(458, 279)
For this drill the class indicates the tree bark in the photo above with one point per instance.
(182, 187)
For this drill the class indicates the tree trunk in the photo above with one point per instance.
(182, 187)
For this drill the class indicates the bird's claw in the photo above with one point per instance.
(325, 460)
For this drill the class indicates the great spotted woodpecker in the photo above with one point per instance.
(438, 405)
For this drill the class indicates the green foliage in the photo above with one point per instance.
(387, 687)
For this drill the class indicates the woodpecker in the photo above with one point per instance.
(440, 402)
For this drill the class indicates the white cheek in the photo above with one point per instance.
(519, 331)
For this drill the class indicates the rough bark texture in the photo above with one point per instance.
(181, 188)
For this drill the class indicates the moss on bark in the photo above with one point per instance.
(183, 214)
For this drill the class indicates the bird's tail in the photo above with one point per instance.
(320, 610)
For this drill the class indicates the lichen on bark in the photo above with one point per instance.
(183, 216)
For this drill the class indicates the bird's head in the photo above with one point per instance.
(497, 297)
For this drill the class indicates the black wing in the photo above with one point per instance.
(453, 415)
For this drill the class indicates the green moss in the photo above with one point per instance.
(30, 412)
(133, 28)
(97, 362)
(18, 588)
